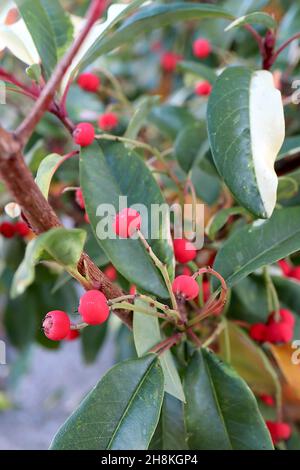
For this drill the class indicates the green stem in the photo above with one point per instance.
(273, 301)
(135, 308)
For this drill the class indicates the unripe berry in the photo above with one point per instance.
(127, 222)
(72, 335)
(169, 61)
(7, 229)
(185, 287)
(22, 229)
(89, 82)
(258, 332)
(267, 400)
(184, 250)
(79, 198)
(279, 431)
(84, 134)
(108, 121)
(93, 307)
(56, 325)
(203, 89)
(201, 48)
(110, 272)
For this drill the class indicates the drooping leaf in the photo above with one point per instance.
(221, 412)
(259, 244)
(59, 244)
(147, 334)
(257, 17)
(92, 339)
(120, 413)
(247, 135)
(105, 176)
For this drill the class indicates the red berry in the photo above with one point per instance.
(295, 273)
(84, 134)
(203, 89)
(169, 61)
(258, 332)
(184, 250)
(285, 267)
(111, 272)
(206, 290)
(79, 198)
(7, 229)
(279, 333)
(93, 307)
(267, 399)
(279, 431)
(285, 317)
(22, 229)
(186, 271)
(56, 325)
(132, 290)
(86, 218)
(201, 48)
(89, 82)
(108, 121)
(127, 222)
(186, 287)
(72, 335)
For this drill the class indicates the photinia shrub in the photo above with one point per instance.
(165, 135)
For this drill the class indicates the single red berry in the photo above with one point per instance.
(169, 61)
(206, 290)
(93, 307)
(108, 121)
(279, 431)
(203, 89)
(186, 287)
(72, 335)
(285, 267)
(89, 82)
(84, 134)
(201, 48)
(295, 273)
(22, 229)
(127, 222)
(110, 272)
(184, 250)
(56, 325)
(79, 198)
(279, 333)
(7, 229)
(258, 332)
(267, 399)
(285, 317)
(132, 290)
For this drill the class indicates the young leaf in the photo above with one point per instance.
(221, 412)
(247, 135)
(115, 172)
(256, 17)
(59, 244)
(259, 244)
(120, 413)
(147, 334)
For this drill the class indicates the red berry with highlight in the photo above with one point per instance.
(79, 198)
(7, 229)
(201, 48)
(127, 222)
(22, 229)
(169, 61)
(279, 431)
(93, 307)
(186, 287)
(89, 82)
(108, 121)
(56, 325)
(258, 332)
(110, 272)
(184, 250)
(203, 89)
(72, 335)
(84, 134)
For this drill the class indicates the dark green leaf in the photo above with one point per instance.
(256, 17)
(170, 120)
(92, 339)
(143, 108)
(207, 186)
(190, 145)
(120, 413)
(249, 300)
(221, 412)
(221, 218)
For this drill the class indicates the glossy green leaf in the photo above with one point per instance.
(124, 344)
(246, 130)
(170, 432)
(46, 171)
(190, 145)
(92, 339)
(249, 360)
(147, 334)
(20, 320)
(290, 146)
(170, 120)
(257, 17)
(221, 218)
(61, 24)
(200, 70)
(207, 186)
(221, 412)
(120, 413)
(105, 176)
(249, 300)
(59, 244)
(146, 20)
(143, 108)
(259, 244)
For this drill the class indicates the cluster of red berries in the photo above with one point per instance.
(10, 229)
(289, 270)
(84, 133)
(276, 330)
(93, 309)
